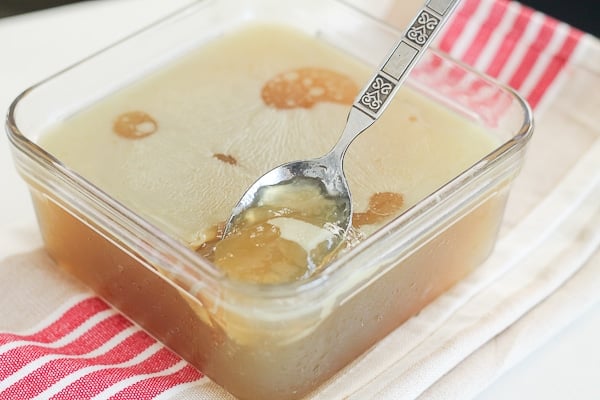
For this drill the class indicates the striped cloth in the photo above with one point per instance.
(87, 347)
(86, 350)
(520, 47)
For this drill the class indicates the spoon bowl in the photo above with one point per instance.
(319, 172)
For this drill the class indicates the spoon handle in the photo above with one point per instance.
(381, 88)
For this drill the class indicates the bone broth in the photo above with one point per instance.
(181, 145)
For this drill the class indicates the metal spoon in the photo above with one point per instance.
(326, 173)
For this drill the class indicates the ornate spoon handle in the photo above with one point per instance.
(380, 90)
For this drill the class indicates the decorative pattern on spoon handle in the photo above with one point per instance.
(375, 97)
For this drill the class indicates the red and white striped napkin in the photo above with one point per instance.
(515, 44)
(84, 349)
(87, 349)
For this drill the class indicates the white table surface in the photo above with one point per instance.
(34, 45)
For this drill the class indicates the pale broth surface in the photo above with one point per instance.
(181, 146)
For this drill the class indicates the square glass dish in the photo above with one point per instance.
(135, 155)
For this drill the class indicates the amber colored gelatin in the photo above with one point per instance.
(254, 359)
